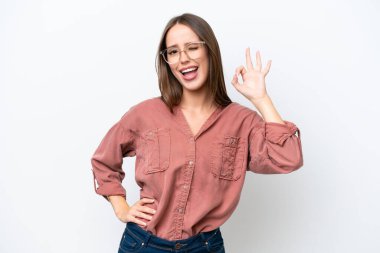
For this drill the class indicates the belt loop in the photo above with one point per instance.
(203, 236)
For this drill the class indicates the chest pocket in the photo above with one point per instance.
(155, 150)
(228, 157)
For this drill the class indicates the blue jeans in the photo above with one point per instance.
(136, 239)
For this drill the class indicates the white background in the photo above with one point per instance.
(70, 69)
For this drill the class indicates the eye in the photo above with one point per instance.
(193, 47)
(172, 51)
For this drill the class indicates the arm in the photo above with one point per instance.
(267, 110)
(274, 148)
(107, 160)
(119, 142)
(119, 205)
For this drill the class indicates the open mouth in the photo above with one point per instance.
(190, 73)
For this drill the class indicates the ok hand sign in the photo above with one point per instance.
(253, 86)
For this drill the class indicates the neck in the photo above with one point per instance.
(196, 101)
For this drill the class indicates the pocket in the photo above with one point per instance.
(156, 150)
(228, 157)
(129, 242)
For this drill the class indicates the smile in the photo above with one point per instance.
(189, 73)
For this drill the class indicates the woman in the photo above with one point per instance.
(193, 145)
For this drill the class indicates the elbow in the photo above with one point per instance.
(292, 160)
(294, 164)
(276, 160)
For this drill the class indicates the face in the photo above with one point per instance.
(178, 36)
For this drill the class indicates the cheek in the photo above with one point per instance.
(205, 67)
(173, 71)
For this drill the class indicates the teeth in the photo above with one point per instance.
(188, 70)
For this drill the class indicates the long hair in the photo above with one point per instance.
(170, 88)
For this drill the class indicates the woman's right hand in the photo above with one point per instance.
(136, 211)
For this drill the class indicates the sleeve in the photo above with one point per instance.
(274, 148)
(108, 158)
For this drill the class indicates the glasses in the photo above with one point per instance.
(193, 51)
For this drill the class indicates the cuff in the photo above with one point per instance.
(109, 189)
(278, 133)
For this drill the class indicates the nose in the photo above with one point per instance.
(183, 59)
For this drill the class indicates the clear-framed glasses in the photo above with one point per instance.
(193, 50)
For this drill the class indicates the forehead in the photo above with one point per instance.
(179, 35)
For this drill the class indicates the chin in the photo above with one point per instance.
(192, 86)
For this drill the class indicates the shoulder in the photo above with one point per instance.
(242, 110)
(146, 105)
(145, 109)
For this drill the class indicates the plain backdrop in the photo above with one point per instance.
(70, 69)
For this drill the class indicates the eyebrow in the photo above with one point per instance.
(176, 45)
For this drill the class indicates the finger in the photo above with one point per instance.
(258, 61)
(266, 70)
(235, 81)
(248, 59)
(133, 214)
(146, 209)
(146, 200)
(135, 220)
(143, 215)
(241, 69)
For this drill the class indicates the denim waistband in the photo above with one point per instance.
(149, 238)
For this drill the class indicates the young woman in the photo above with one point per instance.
(193, 145)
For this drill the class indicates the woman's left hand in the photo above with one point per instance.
(253, 86)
